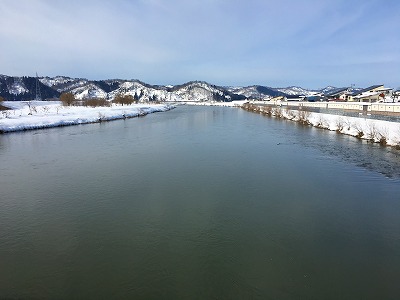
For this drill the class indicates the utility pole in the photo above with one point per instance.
(38, 93)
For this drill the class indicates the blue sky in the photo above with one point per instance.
(278, 43)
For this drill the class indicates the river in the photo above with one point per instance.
(197, 203)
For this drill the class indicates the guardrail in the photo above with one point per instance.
(360, 106)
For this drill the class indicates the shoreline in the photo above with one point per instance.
(32, 115)
(384, 133)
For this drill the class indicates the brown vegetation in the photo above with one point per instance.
(1, 106)
(124, 99)
(277, 112)
(303, 117)
(360, 132)
(67, 99)
(290, 113)
(96, 102)
(321, 123)
(339, 125)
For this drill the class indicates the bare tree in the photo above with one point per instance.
(96, 102)
(303, 117)
(360, 132)
(124, 99)
(339, 125)
(67, 99)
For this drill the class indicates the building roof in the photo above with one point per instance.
(366, 95)
(294, 96)
(337, 91)
(313, 98)
(367, 89)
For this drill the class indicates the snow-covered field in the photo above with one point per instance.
(27, 115)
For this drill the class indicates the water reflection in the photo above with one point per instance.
(371, 156)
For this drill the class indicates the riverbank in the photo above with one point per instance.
(238, 103)
(29, 115)
(392, 108)
(377, 131)
(3, 107)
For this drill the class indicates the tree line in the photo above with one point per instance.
(68, 99)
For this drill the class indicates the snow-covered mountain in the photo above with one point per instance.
(264, 92)
(295, 90)
(24, 88)
(17, 88)
(327, 89)
(256, 92)
(203, 91)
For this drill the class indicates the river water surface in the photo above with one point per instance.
(197, 203)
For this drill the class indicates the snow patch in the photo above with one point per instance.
(28, 115)
(18, 87)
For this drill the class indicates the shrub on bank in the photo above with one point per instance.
(277, 111)
(304, 117)
(339, 125)
(289, 113)
(1, 106)
(67, 99)
(97, 102)
(124, 99)
(383, 136)
(322, 123)
(360, 132)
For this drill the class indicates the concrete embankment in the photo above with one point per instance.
(355, 106)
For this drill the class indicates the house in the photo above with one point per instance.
(373, 93)
(341, 94)
(396, 96)
(277, 98)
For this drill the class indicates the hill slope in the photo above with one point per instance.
(24, 88)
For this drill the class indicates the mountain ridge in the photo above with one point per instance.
(16, 88)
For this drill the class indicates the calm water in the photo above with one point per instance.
(197, 203)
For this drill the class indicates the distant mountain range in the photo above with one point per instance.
(24, 88)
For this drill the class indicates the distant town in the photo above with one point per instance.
(374, 93)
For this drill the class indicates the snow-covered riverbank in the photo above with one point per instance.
(215, 103)
(377, 131)
(26, 115)
(41, 114)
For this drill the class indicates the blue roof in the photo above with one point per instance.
(367, 89)
(336, 91)
(295, 96)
